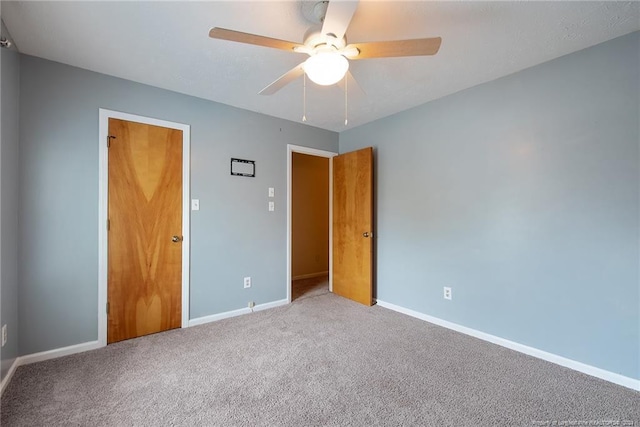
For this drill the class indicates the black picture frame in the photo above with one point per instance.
(242, 167)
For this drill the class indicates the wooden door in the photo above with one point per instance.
(145, 217)
(353, 225)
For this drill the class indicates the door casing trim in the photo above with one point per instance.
(103, 183)
(318, 153)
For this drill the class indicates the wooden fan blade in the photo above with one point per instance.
(237, 36)
(338, 17)
(283, 80)
(415, 47)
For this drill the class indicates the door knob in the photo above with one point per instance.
(367, 234)
(176, 239)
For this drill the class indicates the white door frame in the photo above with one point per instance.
(319, 153)
(103, 133)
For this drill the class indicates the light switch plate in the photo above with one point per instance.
(272, 192)
(272, 206)
(195, 204)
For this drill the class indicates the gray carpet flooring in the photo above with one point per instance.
(318, 361)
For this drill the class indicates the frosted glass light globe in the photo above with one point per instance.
(326, 68)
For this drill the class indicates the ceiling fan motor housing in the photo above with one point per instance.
(314, 38)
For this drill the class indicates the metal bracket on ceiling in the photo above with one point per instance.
(4, 42)
(314, 11)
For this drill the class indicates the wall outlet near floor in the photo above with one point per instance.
(247, 282)
(447, 293)
(4, 335)
(251, 304)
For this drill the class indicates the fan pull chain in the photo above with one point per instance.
(346, 96)
(304, 97)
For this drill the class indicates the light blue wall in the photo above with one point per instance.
(10, 99)
(522, 195)
(233, 235)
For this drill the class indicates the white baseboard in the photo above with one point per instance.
(531, 351)
(7, 378)
(58, 352)
(310, 275)
(46, 355)
(215, 317)
(272, 304)
(234, 313)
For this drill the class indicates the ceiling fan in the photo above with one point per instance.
(327, 47)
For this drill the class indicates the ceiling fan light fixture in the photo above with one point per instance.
(326, 68)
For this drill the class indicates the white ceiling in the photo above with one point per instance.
(166, 44)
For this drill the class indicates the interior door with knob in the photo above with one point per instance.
(144, 283)
(353, 225)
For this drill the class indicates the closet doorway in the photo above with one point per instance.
(309, 222)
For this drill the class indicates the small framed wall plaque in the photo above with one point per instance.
(241, 167)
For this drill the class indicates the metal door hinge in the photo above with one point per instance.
(107, 308)
(108, 224)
